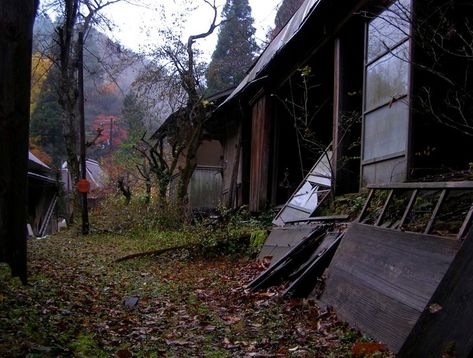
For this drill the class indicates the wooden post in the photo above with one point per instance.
(16, 28)
(85, 212)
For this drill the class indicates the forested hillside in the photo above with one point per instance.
(110, 72)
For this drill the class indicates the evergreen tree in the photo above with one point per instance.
(284, 13)
(235, 48)
(133, 116)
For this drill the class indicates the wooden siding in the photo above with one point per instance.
(232, 165)
(260, 151)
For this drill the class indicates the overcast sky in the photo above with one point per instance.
(136, 27)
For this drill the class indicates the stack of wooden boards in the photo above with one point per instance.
(410, 290)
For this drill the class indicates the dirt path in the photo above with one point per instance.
(79, 302)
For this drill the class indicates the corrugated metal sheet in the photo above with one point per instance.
(280, 41)
(95, 175)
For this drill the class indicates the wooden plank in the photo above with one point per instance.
(306, 277)
(372, 312)
(446, 324)
(320, 218)
(431, 222)
(381, 279)
(409, 206)
(425, 185)
(293, 256)
(385, 206)
(259, 161)
(365, 207)
(384, 259)
(283, 239)
(466, 224)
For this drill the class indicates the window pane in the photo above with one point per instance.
(387, 78)
(389, 28)
(385, 131)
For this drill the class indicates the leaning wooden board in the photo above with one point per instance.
(282, 239)
(380, 280)
(446, 325)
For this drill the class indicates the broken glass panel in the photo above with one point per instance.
(306, 196)
(310, 193)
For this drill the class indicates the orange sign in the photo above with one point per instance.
(83, 186)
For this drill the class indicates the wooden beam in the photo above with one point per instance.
(383, 211)
(410, 204)
(458, 185)
(431, 222)
(365, 207)
(320, 218)
(466, 224)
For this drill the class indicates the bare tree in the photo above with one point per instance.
(74, 16)
(180, 70)
(16, 28)
(444, 37)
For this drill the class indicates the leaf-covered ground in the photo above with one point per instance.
(80, 302)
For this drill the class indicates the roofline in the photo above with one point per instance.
(42, 178)
(266, 57)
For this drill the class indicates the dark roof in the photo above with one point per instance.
(35, 164)
(39, 171)
(216, 99)
(274, 48)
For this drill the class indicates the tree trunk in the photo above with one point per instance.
(16, 27)
(68, 95)
(191, 159)
(148, 191)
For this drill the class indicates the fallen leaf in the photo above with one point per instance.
(231, 319)
(123, 353)
(434, 308)
(177, 342)
(363, 349)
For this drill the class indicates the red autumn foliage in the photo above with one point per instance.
(111, 126)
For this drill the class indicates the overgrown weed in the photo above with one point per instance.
(232, 233)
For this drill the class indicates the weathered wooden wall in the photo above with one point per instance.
(232, 166)
(205, 188)
(260, 152)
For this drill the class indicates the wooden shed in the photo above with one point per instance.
(207, 186)
(42, 197)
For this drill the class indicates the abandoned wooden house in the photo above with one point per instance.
(382, 90)
(42, 197)
(205, 187)
(388, 89)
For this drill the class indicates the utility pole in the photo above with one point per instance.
(111, 133)
(83, 190)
